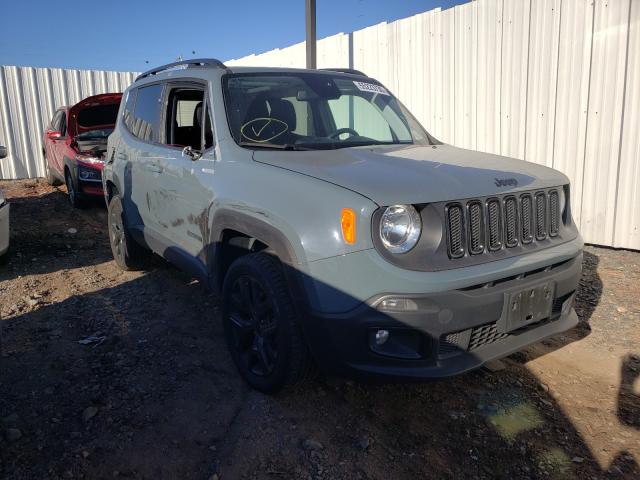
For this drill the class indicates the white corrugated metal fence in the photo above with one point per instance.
(28, 98)
(555, 82)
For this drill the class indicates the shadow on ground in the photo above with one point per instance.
(156, 396)
(49, 233)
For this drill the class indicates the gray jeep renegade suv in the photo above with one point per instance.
(338, 231)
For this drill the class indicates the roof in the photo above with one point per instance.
(212, 63)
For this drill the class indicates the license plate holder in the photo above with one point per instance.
(529, 305)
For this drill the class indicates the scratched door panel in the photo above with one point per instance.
(183, 200)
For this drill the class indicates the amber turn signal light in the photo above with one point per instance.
(348, 223)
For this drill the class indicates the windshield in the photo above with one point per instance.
(102, 133)
(308, 111)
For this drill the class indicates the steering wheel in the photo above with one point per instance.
(340, 131)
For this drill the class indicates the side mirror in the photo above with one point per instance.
(53, 135)
(3, 151)
(190, 152)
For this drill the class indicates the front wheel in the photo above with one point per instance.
(128, 254)
(71, 191)
(261, 326)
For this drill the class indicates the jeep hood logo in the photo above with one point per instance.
(505, 182)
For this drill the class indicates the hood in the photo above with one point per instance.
(416, 174)
(94, 113)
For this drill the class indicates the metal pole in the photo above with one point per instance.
(311, 33)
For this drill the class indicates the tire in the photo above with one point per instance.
(262, 329)
(72, 194)
(51, 178)
(128, 254)
(4, 258)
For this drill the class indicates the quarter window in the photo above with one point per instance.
(63, 124)
(146, 114)
(55, 121)
(128, 108)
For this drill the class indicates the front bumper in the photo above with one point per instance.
(88, 180)
(4, 228)
(447, 333)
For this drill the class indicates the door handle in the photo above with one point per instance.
(122, 157)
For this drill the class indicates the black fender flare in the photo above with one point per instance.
(261, 230)
(228, 219)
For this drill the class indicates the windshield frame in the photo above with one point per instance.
(430, 139)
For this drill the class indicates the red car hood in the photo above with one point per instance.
(103, 99)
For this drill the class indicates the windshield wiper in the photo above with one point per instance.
(274, 146)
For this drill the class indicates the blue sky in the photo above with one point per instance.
(124, 35)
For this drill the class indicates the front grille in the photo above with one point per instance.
(455, 228)
(494, 224)
(526, 214)
(451, 344)
(455, 343)
(480, 226)
(541, 216)
(510, 222)
(554, 213)
(484, 335)
(476, 228)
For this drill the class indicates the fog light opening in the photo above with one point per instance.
(382, 336)
(402, 343)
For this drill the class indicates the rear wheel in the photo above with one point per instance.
(261, 326)
(71, 191)
(128, 254)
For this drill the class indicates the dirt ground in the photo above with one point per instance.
(155, 395)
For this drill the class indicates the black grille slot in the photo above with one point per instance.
(484, 335)
(494, 224)
(476, 228)
(510, 222)
(541, 216)
(451, 344)
(557, 303)
(554, 213)
(526, 218)
(455, 227)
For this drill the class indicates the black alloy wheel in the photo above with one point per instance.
(262, 328)
(71, 191)
(254, 324)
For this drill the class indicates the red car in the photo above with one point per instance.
(75, 143)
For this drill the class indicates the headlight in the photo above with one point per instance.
(400, 228)
(89, 174)
(86, 158)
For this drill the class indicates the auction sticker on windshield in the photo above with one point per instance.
(371, 87)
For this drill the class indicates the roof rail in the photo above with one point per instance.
(194, 62)
(352, 71)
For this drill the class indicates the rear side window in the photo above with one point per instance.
(55, 121)
(63, 124)
(146, 114)
(128, 108)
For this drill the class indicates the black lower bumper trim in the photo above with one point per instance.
(459, 330)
